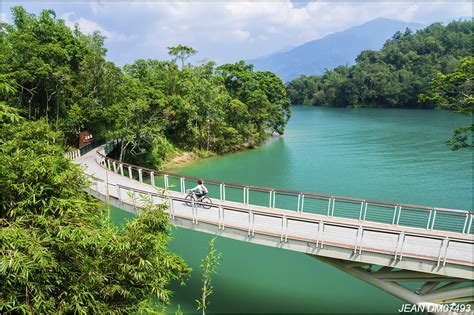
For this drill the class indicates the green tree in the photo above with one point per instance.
(395, 76)
(57, 252)
(182, 53)
(157, 108)
(454, 91)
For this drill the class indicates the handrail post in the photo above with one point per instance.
(245, 195)
(329, 207)
(302, 203)
(182, 184)
(394, 213)
(250, 223)
(152, 178)
(108, 163)
(253, 224)
(195, 213)
(270, 199)
(434, 219)
(361, 209)
(219, 211)
(115, 167)
(358, 240)
(321, 233)
(429, 220)
(140, 175)
(130, 175)
(398, 216)
(298, 203)
(468, 231)
(223, 221)
(400, 240)
(402, 246)
(465, 224)
(165, 180)
(283, 218)
(333, 205)
(441, 247)
(121, 168)
(446, 251)
(172, 207)
(274, 197)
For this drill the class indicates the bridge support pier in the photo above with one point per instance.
(437, 289)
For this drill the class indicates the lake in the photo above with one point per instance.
(393, 155)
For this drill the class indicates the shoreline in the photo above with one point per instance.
(181, 159)
(188, 158)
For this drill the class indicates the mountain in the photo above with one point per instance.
(331, 51)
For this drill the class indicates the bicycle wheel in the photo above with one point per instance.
(206, 203)
(189, 200)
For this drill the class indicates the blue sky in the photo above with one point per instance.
(228, 31)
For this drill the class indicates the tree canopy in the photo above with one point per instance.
(395, 76)
(454, 91)
(182, 53)
(62, 75)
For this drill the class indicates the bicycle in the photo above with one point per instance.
(204, 201)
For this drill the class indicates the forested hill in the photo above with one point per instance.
(313, 57)
(51, 72)
(395, 76)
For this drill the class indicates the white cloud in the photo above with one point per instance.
(89, 27)
(240, 35)
(229, 31)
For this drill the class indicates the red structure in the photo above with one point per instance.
(84, 138)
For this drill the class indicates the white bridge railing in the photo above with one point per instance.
(396, 214)
(287, 226)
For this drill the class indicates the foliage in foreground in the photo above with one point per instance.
(57, 252)
(209, 266)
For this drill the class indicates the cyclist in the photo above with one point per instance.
(200, 190)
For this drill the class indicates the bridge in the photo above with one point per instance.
(385, 244)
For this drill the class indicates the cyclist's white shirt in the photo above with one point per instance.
(200, 188)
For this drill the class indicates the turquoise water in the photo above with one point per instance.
(383, 154)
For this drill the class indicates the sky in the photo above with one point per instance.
(227, 31)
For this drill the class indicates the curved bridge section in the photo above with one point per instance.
(385, 244)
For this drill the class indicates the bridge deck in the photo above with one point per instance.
(425, 250)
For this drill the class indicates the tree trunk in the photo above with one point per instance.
(123, 146)
(47, 105)
(57, 111)
(48, 98)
